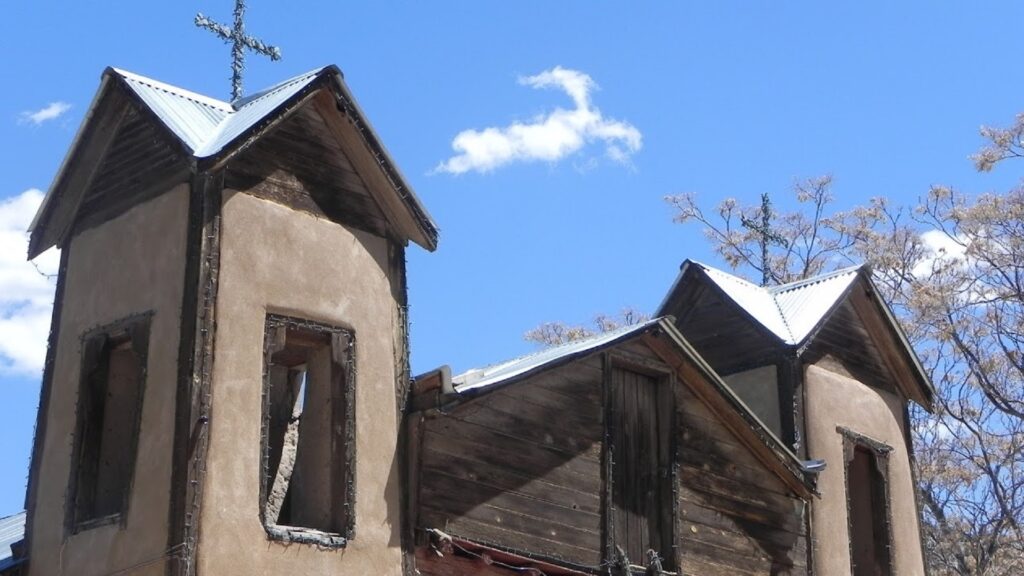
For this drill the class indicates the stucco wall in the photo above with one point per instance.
(279, 260)
(759, 390)
(129, 265)
(837, 400)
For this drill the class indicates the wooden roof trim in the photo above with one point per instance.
(332, 99)
(348, 123)
(56, 214)
(691, 369)
(701, 275)
(892, 344)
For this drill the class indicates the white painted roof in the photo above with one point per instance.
(479, 378)
(790, 311)
(207, 125)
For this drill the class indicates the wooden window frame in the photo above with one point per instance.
(341, 337)
(852, 441)
(136, 329)
(623, 360)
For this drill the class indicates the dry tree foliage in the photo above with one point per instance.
(952, 269)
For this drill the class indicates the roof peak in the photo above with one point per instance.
(791, 311)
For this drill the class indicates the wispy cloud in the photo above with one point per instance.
(50, 112)
(549, 137)
(26, 289)
(941, 250)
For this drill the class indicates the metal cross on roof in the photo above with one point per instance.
(239, 42)
(766, 234)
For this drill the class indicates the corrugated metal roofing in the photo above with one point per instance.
(12, 530)
(207, 125)
(498, 373)
(790, 311)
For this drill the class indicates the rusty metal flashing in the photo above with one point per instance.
(297, 534)
(516, 560)
(129, 326)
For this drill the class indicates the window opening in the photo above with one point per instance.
(109, 408)
(868, 505)
(309, 431)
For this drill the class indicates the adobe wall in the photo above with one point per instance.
(283, 261)
(759, 390)
(129, 265)
(837, 400)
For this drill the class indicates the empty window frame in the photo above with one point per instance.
(111, 384)
(308, 475)
(867, 494)
(641, 454)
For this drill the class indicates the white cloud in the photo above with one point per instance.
(943, 250)
(51, 112)
(26, 289)
(549, 137)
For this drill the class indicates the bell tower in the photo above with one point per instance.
(228, 361)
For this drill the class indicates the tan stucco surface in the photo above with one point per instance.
(278, 260)
(836, 400)
(759, 390)
(129, 265)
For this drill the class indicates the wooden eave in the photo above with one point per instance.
(327, 92)
(673, 349)
(56, 217)
(665, 340)
(898, 356)
(700, 276)
(887, 335)
(892, 343)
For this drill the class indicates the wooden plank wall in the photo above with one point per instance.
(737, 518)
(140, 164)
(725, 337)
(844, 346)
(300, 165)
(520, 468)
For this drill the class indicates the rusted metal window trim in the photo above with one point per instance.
(137, 328)
(298, 534)
(881, 451)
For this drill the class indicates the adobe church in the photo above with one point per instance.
(227, 387)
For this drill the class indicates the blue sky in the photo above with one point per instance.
(725, 99)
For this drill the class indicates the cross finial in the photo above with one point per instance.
(766, 235)
(239, 42)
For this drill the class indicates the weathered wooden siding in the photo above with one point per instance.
(723, 335)
(520, 468)
(843, 345)
(142, 161)
(736, 517)
(301, 165)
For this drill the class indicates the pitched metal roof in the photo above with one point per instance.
(12, 530)
(207, 125)
(480, 378)
(486, 379)
(210, 130)
(789, 311)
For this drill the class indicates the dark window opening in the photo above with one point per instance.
(109, 408)
(641, 467)
(309, 432)
(868, 506)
